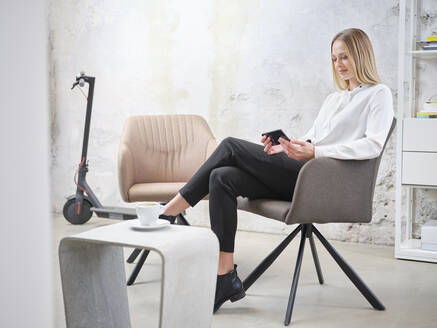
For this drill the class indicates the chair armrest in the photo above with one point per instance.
(334, 190)
(126, 171)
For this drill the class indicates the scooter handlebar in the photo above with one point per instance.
(80, 80)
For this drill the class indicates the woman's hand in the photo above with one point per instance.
(269, 148)
(296, 149)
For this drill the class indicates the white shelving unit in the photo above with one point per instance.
(416, 153)
(424, 53)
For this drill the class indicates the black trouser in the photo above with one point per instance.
(239, 168)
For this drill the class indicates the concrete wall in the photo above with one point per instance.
(246, 66)
(25, 233)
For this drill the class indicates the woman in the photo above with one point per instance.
(352, 124)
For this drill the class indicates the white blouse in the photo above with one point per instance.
(353, 124)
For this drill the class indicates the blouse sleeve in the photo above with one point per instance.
(379, 120)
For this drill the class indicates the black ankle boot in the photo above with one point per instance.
(229, 287)
(170, 218)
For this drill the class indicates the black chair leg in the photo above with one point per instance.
(295, 277)
(134, 255)
(315, 256)
(356, 280)
(265, 264)
(138, 267)
(182, 220)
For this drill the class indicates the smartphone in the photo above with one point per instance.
(275, 135)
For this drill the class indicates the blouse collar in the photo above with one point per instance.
(357, 89)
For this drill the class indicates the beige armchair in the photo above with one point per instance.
(158, 154)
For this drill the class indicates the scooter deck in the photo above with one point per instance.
(120, 213)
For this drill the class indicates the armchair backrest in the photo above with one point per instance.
(334, 190)
(378, 159)
(162, 148)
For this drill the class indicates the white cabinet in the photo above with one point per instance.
(419, 134)
(419, 168)
(416, 140)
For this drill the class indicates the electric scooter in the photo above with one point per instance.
(79, 207)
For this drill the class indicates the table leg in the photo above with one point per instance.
(93, 283)
(188, 284)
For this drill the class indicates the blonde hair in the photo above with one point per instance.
(360, 49)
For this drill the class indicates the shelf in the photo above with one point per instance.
(417, 186)
(421, 119)
(410, 250)
(424, 53)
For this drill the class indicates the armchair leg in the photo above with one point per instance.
(315, 256)
(295, 276)
(138, 267)
(265, 264)
(134, 255)
(182, 220)
(356, 280)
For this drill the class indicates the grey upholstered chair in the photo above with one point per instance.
(327, 190)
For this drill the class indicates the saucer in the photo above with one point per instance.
(159, 225)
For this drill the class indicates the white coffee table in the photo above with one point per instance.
(94, 280)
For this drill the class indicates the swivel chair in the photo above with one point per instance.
(327, 190)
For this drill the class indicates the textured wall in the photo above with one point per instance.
(246, 66)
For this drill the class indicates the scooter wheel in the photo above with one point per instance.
(70, 211)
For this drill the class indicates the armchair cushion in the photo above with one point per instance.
(270, 208)
(154, 192)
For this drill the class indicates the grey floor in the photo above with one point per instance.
(408, 289)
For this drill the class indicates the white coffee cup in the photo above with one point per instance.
(148, 213)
